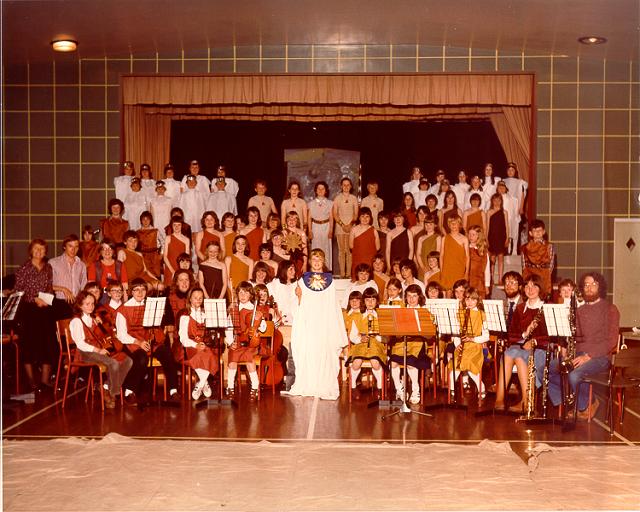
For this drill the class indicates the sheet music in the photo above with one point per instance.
(215, 311)
(153, 311)
(494, 311)
(445, 312)
(556, 316)
(11, 306)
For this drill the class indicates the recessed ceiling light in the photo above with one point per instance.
(592, 40)
(64, 45)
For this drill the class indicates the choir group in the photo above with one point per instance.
(185, 240)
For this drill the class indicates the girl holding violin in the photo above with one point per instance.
(192, 333)
(273, 368)
(243, 345)
(91, 344)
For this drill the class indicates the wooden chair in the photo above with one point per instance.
(12, 339)
(623, 374)
(70, 362)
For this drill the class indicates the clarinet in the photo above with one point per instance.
(463, 335)
(566, 365)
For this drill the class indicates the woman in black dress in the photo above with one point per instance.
(497, 233)
(212, 273)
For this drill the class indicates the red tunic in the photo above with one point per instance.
(242, 354)
(255, 237)
(176, 248)
(364, 249)
(114, 228)
(537, 260)
(204, 359)
(206, 238)
(477, 266)
(149, 249)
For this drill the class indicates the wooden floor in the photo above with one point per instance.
(277, 418)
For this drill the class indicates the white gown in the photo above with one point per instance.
(321, 210)
(134, 204)
(317, 336)
(122, 186)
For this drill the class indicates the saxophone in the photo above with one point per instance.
(463, 334)
(531, 366)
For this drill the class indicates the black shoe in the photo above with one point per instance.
(131, 400)
(175, 397)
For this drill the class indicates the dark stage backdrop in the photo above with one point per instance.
(252, 149)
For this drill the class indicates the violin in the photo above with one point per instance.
(255, 326)
(106, 326)
(274, 365)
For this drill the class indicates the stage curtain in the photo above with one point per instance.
(513, 128)
(152, 101)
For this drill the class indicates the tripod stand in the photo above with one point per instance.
(405, 322)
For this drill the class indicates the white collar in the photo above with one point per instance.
(114, 304)
(371, 312)
(133, 302)
(245, 305)
(197, 315)
(87, 319)
(536, 305)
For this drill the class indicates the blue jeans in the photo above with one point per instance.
(591, 367)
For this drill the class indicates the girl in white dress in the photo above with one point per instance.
(320, 221)
(318, 333)
(122, 183)
(134, 204)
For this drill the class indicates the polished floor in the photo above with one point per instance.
(277, 418)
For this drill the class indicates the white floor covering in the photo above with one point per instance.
(118, 473)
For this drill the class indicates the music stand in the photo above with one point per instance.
(446, 315)
(497, 324)
(216, 321)
(154, 308)
(405, 322)
(9, 312)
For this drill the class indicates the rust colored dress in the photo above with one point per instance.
(411, 217)
(477, 266)
(114, 229)
(537, 260)
(254, 238)
(454, 262)
(238, 271)
(149, 249)
(228, 242)
(364, 249)
(204, 359)
(206, 238)
(475, 219)
(90, 252)
(176, 248)
(241, 321)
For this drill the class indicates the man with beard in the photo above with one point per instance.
(597, 325)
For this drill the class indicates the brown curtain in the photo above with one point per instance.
(151, 102)
(513, 128)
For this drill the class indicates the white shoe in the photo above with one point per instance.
(197, 391)
(206, 390)
(399, 394)
(415, 398)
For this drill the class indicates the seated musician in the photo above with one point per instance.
(90, 342)
(416, 350)
(192, 336)
(366, 342)
(182, 282)
(106, 313)
(474, 333)
(527, 324)
(134, 337)
(242, 317)
(597, 325)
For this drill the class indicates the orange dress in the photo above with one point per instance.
(364, 249)
(149, 249)
(477, 266)
(454, 262)
(537, 259)
(114, 229)
(238, 271)
(254, 238)
(228, 242)
(475, 219)
(205, 359)
(176, 248)
(206, 238)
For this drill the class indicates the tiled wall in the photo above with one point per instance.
(61, 134)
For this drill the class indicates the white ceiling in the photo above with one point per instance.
(120, 27)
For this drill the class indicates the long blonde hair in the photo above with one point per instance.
(481, 244)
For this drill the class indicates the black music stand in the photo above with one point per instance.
(154, 308)
(9, 312)
(497, 324)
(445, 312)
(216, 322)
(405, 322)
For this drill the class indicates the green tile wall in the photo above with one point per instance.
(61, 127)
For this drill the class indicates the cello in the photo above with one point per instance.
(273, 366)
